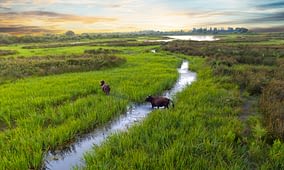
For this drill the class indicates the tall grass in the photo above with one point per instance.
(272, 106)
(7, 52)
(21, 67)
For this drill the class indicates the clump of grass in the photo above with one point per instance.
(252, 78)
(102, 51)
(279, 71)
(57, 45)
(272, 106)
(132, 44)
(7, 52)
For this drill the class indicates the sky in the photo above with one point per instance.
(86, 16)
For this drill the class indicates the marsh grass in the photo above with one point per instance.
(45, 113)
(272, 106)
(201, 132)
(253, 62)
(21, 67)
(56, 45)
(198, 133)
(102, 51)
(264, 54)
(7, 52)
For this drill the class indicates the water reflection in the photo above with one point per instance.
(187, 37)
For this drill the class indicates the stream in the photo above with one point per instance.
(72, 155)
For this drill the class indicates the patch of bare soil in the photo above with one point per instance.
(248, 109)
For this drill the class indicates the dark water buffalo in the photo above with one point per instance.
(159, 101)
(105, 87)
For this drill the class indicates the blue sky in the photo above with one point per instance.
(37, 16)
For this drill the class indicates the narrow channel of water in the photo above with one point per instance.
(194, 37)
(73, 154)
(187, 37)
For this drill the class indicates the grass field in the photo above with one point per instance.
(41, 112)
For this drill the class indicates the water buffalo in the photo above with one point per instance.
(159, 101)
(105, 87)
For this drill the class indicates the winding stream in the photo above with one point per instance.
(73, 154)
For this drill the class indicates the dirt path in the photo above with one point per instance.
(249, 108)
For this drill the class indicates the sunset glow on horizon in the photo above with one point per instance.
(58, 16)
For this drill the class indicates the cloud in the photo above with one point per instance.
(279, 4)
(211, 13)
(52, 17)
(224, 18)
(46, 21)
(25, 30)
(4, 5)
(267, 18)
(4, 8)
(129, 15)
(269, 29)
(278, 16)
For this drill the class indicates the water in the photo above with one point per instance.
(188, 37)
(194, 37)
(72, 155)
